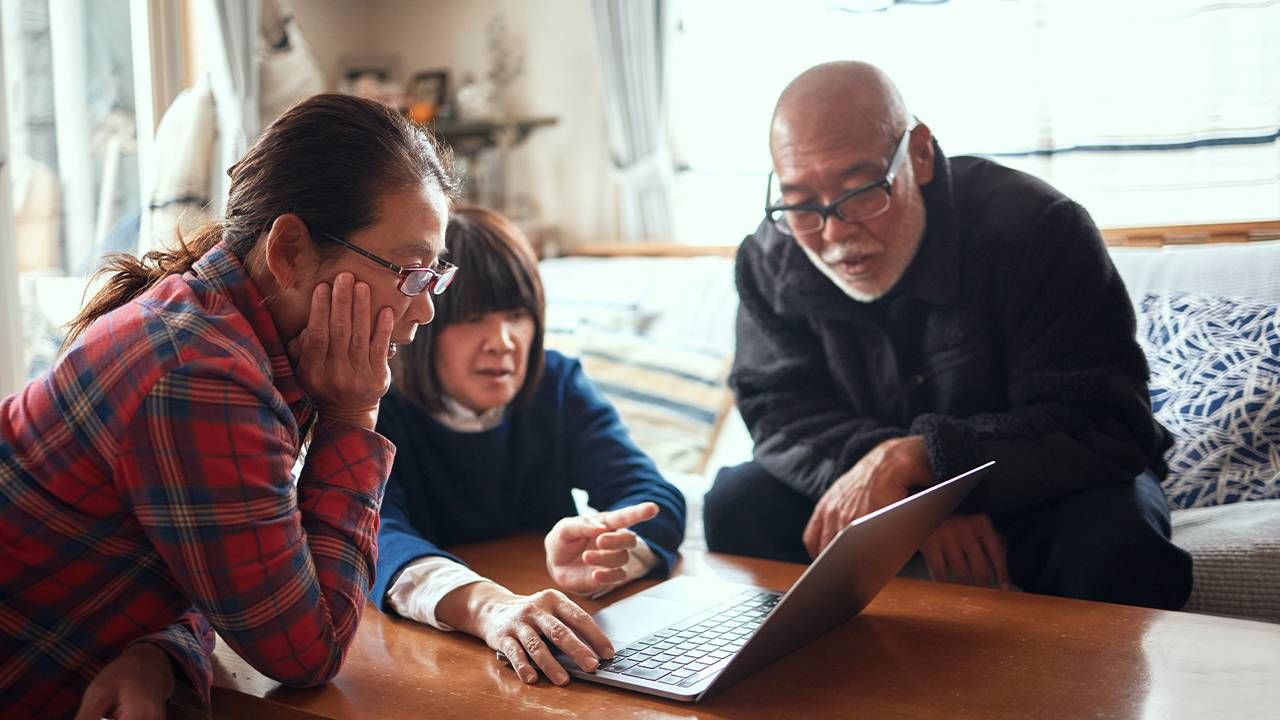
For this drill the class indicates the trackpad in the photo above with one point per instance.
(662, 605)
(637, 616)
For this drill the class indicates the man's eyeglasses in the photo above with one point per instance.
(861, 203)
(414, 279)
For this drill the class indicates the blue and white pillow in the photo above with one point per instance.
(1215, 384)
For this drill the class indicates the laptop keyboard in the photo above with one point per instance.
(698, 647)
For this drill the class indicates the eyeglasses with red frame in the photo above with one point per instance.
(414, 279)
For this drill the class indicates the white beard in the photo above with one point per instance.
(835, 277)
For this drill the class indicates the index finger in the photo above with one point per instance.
(577, 528)
(628, 516)
(586, 628)
(813, 533)
(975, 552)
(380, 343)
(994, 546)
(559, 634)
(934, 561)
(829, 532)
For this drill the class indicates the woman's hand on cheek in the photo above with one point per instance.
(342, 352)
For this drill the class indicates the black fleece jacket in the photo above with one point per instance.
(1009, 338)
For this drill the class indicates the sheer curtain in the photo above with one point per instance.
(632, 39)
(207, 127)
(231, 60)
(11, 341)
(1147, 112)
(254, 64)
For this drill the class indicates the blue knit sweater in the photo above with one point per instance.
(448, 487)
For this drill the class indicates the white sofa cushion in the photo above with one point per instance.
(1237, 558)
(682, 299)
(1239, 270)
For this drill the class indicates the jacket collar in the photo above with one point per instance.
(933, 275)
(223, 272)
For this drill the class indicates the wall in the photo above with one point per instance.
(335, 29)
(564, 169)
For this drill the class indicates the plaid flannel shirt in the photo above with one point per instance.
(145, 486)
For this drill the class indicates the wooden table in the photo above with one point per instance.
(921, 649)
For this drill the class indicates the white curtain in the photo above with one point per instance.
(12, 375)
(632, 37)
(230, 55)
(1146, 111)
(289, 70)
(256, 64)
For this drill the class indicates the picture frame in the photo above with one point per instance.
(430, 86)
(359, 74)
(352, 74)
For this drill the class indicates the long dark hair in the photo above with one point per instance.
(329, 159)
(498, 270)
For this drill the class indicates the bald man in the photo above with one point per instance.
(905, 317)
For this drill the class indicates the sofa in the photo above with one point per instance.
(656, 333)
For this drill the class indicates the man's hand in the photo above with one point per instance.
(882, 477)
(134, 686)
(587, 554)
(967, 549)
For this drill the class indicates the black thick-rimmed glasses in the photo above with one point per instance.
(861, 203)
(414, 279)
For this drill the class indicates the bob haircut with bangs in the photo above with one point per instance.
(497, 271)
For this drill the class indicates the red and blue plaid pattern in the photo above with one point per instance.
(145, 486)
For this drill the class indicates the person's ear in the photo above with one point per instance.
(920, 152)
(289, 252)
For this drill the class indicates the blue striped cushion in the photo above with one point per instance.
(672, 396)
(1215, 384)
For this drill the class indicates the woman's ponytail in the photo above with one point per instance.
(129, 276)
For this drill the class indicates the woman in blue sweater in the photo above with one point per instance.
(492, 434)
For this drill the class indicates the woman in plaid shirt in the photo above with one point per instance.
(146, 491)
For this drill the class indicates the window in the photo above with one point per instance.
(73, 154)
(1152, 112)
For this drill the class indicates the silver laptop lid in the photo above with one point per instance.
(848, 574)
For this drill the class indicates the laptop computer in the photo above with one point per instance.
(689, 637)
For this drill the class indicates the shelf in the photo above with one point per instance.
(470, 137)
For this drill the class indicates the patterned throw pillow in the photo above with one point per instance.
(672, 396)
(1215, 384)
